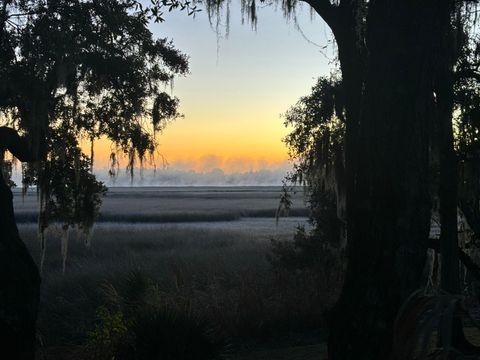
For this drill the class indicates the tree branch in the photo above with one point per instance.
(463, 257)
(326, 10)
(19, 146)
(23, 14)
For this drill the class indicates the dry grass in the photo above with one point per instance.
(221, 275)
(178, 204)
(195, 259)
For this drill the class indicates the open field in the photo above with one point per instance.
(216, 270)
(178, 204)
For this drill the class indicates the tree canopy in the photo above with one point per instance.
(80, 70)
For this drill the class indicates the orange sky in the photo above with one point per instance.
(237, 89)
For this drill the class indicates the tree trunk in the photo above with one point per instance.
(448, 180)
(19, 276)
(389, 205)
(351, 55)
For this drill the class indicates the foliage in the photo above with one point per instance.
(70, 195)
(466, 115)
(317, 136)
(73, 71)
(138, 324)
(7, 169)
(312, 248)
(168, 334)
(316, 146)
(314, 254)
(316, 141)
(108, 335)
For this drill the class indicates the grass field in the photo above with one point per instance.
(178, 204)
(217, 270)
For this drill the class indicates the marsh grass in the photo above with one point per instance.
(30, 216)
(178, 205)
(220, 276)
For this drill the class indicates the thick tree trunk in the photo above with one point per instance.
(389, 205)
(19, 286)
(351, 55)
(19, 276)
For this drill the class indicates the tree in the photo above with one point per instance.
(72, 70)
(316, 144)
(316, 147)
(396, 62)
(19, 277)
(314, 140)
(388, 209)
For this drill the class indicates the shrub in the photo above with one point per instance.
(315, 257)
(108, 336)
(168, 334)
(136, 323)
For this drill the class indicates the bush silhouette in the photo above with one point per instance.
(168, 334)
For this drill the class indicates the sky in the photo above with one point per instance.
(237, 88)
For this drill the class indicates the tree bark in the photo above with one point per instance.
(448, 198)
(19, 276)
(388, 204)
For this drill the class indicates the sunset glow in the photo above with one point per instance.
(232, 99)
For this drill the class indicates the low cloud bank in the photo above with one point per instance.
(176, 177)
(180, 174)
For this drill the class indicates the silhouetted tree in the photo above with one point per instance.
(316, 144)
(453, 154)
(19, 277)
(396, 60)
(71, 70)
